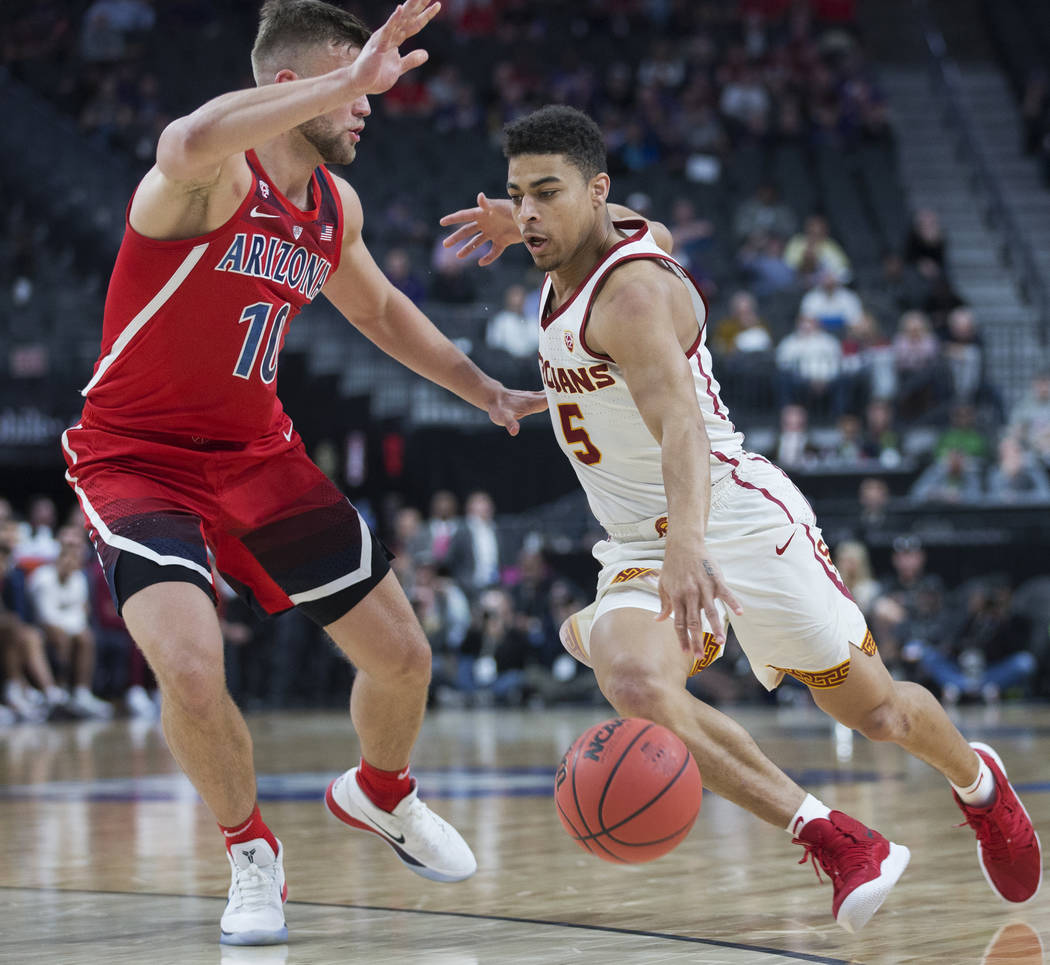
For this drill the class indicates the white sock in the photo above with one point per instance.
(810, 810)
(982, 792)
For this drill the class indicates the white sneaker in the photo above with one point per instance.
(7, 716)
(139, 703)
(254, 914)
(426, 843)
(17, 698)
(86, 703)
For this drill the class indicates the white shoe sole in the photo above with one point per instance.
(278, 937)
(978, 746)
(856, 910)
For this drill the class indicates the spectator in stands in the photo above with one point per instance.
(764, 213)
(847, 447)
(835, 306)
(59, 592)
(794, 446)
(964, 435)
(22, 646)
(964, 352)
(813, 250)
(881, 440)
(910, 604)
(745, 103)
(692, 235)
(953, 478)
(36, 537)
(501, 650)
(940, 299)
(397, 266)
(1017, 477)
(441, 525)
(919, 365)
(986, 655)
(854, 565)
(868, 361)
(743, 329)
(511, 330)
(474, 552)
(443, 612)
(761, 260)
(925, 242)
(809, 364)
(452, 283)
(1030, 418)
(873, 500)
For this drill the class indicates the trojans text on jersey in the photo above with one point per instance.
(585, 378)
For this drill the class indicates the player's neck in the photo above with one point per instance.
(289, 169)
(593, 249)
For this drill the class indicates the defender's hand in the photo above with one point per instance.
(514, 404)
(379, 65)
(690, 582)
(491, 221)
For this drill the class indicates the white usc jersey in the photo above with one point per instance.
(595, 419)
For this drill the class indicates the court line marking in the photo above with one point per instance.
(473, 916)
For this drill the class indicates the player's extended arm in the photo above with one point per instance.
(492, 222)
(193, 148)
(374, 306)
(657, 374)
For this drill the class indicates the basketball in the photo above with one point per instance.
(628, 790)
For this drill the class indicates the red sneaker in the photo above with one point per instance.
(862, 865)
(1007, 845)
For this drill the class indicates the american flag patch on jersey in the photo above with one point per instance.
(326, 232)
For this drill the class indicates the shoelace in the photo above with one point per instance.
(996, 843)
(857, 853)
(253, 887)
(425, 824)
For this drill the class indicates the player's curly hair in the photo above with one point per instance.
(557, 129)
(287, 27)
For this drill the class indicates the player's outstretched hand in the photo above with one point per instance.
(380, 64)
(514, 404)
(491, 221)
(690, 582)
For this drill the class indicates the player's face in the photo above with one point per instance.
(335, 135)
(555, 207)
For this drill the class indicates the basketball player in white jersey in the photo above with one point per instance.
(703, 533)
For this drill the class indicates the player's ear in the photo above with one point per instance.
(599, 188)
(285, 74)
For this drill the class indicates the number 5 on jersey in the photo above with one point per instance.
(589, 455)
(258, 317)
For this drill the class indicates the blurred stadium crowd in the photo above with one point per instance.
(758, 133)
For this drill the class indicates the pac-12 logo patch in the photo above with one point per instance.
(264, 188)
(296, 231)
(570, 342)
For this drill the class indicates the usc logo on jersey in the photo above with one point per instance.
(661, 527)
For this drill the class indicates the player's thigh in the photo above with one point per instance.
(634, 656)
(867, 691)
(174, 624)
(381, 635)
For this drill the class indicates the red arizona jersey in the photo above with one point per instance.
(193, 328)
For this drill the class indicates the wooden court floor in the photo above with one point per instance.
(107, 855)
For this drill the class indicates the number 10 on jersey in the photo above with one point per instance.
(258, 317)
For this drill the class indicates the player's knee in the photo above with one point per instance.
(197, 688)
(884, 722)
(634, 691)
(406, 664)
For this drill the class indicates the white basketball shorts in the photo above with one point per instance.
(798, 617)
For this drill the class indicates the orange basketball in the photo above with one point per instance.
(628, 790)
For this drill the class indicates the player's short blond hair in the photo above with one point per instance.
(287, 28)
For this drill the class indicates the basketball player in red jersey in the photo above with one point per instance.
(706, 533)
(183, 446)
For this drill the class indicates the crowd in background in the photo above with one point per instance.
(491, 612)
(877, 370)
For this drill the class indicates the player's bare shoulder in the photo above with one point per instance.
(642, 289)
(353, 211)
(166, 208)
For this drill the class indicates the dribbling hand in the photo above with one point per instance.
(491, 221)
(379, 65)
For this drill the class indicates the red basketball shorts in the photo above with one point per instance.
(280, 531)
